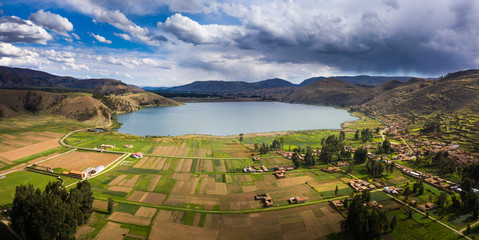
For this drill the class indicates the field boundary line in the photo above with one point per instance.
(50, 158)
(458, 232)
(107, 169)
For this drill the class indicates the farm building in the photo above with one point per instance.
(137, 155)
(280, 174)
(268, 202)
(392, 190)
(360, 185)
(128, 146)
(255, 158)
(426, 207)
(105, 146)
(75, 174)
(264, 168)
(332, 169)
(295, 200)
(340, 164)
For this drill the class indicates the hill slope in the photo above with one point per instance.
(331, 91)
(27, 78)
(109, 96)
(231, 87)
(453, 93)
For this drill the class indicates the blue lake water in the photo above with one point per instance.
(231, 118)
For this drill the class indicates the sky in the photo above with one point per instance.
(175, 42)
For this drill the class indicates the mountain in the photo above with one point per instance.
(229, 87)
(75, 100)
(331, 91)
(455, 92)
(27, 78)
(359, 80)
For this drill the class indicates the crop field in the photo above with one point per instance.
(309, 222)
(80, 160)
(9, 183)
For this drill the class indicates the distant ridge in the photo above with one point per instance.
(230, 86)
(359, 80)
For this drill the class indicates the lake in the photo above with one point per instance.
(231, 118)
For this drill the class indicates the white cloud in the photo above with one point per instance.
(76, 36)
(190, 31)
(124, 36)
(100, 38)
(14, 29)
(52, 21)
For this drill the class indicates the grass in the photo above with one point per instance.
(9, 183)
(127, 208)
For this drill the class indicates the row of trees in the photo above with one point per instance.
(364, 223)
(54, 213)
(264, 148)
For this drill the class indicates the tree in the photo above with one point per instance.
(356, 135)
(360, 155)
(366, 195)
(241, 137)
(342, 136)
(110, 205)
(53, 214)
(441, 200)
(336, 191)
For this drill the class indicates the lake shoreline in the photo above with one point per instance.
(218, 119)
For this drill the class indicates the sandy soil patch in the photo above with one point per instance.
(112, 231)
(137, 196)
(182, 176)
(117, 179)
(128, 218)
(168, 230)
(79, 161)
(6, 161)
(99, 204)
(140, 163)
(146, 212)
(154, 183)
(187, 165)
(154, 198)
(84, 231)
(130, 182)
(157, 150)
(120, 189)
(26, 151)
(161, 163)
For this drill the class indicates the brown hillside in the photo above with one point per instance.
(78, 107)
(453, 93)
(331, 91)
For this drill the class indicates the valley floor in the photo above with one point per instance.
(194, 187)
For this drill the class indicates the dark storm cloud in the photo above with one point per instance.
(429, 38)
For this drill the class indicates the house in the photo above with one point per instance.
(280, 174)
(338, 203)
(373, 204)
(105, 146)
(391, 190)
(137, 155)
(296, 200)
(76, 174)
(128, 146)
(255, 158)
(426, 207)
(267, 201)
(264, 168)
(360, 185)
(332, 169)
(340, 164)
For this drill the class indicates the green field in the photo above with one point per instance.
(9, 183)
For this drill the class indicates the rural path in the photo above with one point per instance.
(382, 133)
(432, 218)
